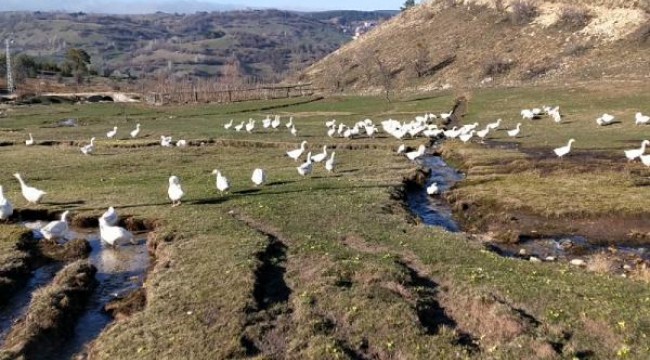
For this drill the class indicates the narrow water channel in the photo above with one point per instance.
(120, 270)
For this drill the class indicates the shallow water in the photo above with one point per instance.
(119, 271)
(431, 209)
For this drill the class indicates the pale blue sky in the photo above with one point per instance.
(190, 6)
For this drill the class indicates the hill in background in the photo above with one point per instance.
(256, 45)
(492, 42)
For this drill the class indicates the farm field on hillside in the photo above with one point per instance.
(333, 265)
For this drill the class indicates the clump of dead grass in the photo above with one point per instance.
(573, 17)
(523, 12)
(641, 273)
(495, 66)
(601, 264)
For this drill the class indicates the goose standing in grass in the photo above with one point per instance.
(259, 177)
(181, 143)
(527, 114)
(276, 122)
(31, 194)
(514, 132)
(222, 181)
(266, 122)
(466, 137)
(563, 150)
(307, 167)
(165, 141)
(605, 119)
(30, 141)
(412, 155)
(295, 154)
(483, 133)
(56, 230)
(89, 148)
(401, 149)
(294, 131)
(110, 216)
(433, 189)
(6, 209)
(175, 192)
(228, 125)
(331, 131)
(134, 133)
(240, 126)
(329, 164)
(290, 123)
(639, 119)
(635, 153)
(111, 134)
(250, 126)
(320, 157)
(114, 235)
(495, 125)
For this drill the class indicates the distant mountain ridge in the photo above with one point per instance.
(259, 45)
(115, 7)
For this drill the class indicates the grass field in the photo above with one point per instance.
(332, 266)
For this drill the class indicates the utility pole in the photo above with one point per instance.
(10, 79)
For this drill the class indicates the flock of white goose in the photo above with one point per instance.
(421, 126)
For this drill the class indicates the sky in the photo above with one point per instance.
(190, 6)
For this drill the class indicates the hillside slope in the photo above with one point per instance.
(493, 42)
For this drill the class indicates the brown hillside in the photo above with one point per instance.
(493, 42)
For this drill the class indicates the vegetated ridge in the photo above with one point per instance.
(494, 42)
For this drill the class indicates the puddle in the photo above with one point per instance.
(119, 272)
(432, 209)
(567, 248)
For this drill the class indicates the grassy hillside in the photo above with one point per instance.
(264, 44)
(488, 42)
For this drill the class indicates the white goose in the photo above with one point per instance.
(294, 131)
(175, 192)
(31, 194)
(295, 154)
(181, 143)
(228, 125)
(240, 126)
(110, 216)
(515, 132)
(495, 125)
(331, 131)
(89, 148)
(329, 164)
(259, 177)
(56, 230)
(605, 119)
(635, 153)
(563, 150)
(483, 133)
(466, 137)
(30, 141)
(639, 119)
(266, 122)
(6, 209)
(111, 134)
(114, 235)
(276, 122)
(412, 155)
(250, 126)
(320, 157)
(134, 133)
(433, 189)
(307, 167)
(401, 149)
(290, 123)
(527, 114)
(222, 181)
(165, 141)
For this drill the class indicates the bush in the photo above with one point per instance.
(494, 67)
(573, 17)
(523, 12)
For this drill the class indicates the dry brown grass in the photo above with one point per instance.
(523, 12)
(573, 17)
(641, 273)
(601, 264)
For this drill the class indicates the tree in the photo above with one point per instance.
(422, 63)
(77, 62)
(408, 4)
(386, 76)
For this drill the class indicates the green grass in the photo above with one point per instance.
(347, 296)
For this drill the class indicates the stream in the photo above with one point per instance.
(119, 271)
(436, 212)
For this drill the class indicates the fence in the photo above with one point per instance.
(196, 95)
